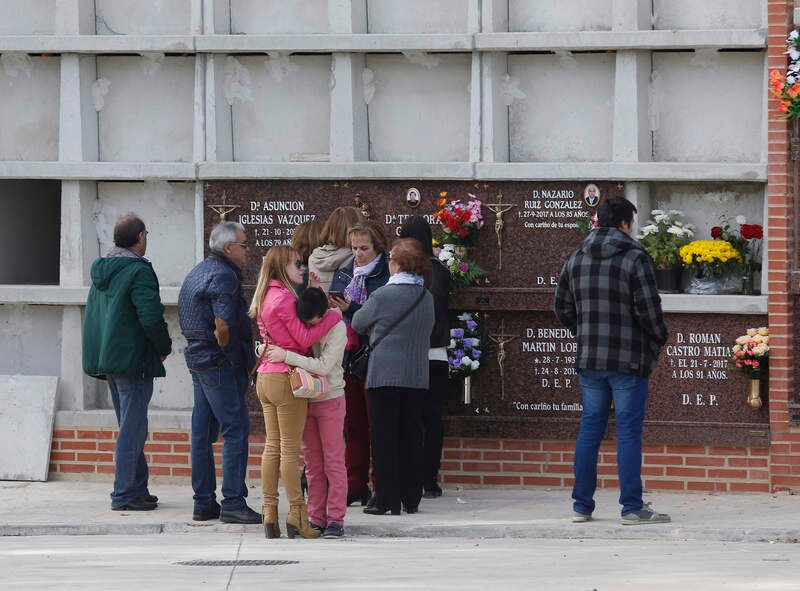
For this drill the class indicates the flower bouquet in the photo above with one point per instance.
(747, 240)
(463, 271)
(751, 352)
(751, 355)
(465, 350)
(715, 266)
(459, 222)
(663, 236)
(786, 87)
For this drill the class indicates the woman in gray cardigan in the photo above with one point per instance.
(397, 378)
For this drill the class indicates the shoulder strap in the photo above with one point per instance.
(399, 320)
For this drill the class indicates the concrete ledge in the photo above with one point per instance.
(326, 43)
(336, 170)
(157, 419)
(755, 172)
(620, 40)
(109, 171)
(97, 43)
(55, 295)
(699, 304)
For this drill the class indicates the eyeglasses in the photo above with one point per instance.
(244, 245)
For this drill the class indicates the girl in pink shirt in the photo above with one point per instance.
(284, 415)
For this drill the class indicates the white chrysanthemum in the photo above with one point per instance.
(465, 317)
(476, 343)
(675, 213)
(649, 229)
(793, 53)
(793, 35)
(661, 218)
(657, 212)
(452, 344)
(466, 362)
(475, 364)
(741, 220)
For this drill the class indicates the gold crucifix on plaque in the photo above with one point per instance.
(499, 209)
(501, 338)
(224, 208)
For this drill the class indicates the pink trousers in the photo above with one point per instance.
(323, 449)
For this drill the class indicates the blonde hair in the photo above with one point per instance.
(336, 229)
(273, 267)
(307, 236)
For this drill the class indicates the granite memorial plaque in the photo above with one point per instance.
(528, 386)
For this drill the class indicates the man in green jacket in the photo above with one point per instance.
(125, 341)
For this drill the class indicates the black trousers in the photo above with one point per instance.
(432, 419)
(397, 435)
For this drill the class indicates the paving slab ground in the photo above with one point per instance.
(83, 508)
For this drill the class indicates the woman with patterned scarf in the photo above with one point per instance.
(367, 271)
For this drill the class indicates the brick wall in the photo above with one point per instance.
(784, 459)
(472, 462)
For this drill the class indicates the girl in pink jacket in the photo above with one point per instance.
(284, 415)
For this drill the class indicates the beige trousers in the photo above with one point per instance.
(284, 419)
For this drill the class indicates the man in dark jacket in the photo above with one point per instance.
(607, 297)
(125, 341)
(219, 355)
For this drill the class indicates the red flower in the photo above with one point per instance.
(716, 232)
(750, 231)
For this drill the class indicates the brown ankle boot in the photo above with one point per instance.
(297, 523)
(272, 528)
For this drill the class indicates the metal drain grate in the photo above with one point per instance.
(236, 562)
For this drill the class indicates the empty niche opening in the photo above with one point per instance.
(30, 242)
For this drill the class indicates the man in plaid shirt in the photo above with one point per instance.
(607, 297)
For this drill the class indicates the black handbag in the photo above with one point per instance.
(359, 360)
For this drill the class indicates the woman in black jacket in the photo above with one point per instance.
(417, 227)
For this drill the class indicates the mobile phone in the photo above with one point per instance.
(336, 294)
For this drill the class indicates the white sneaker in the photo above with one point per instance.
(580, 517)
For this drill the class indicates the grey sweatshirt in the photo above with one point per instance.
(401, 359)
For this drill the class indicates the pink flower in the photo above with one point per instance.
(756, 364)
(463, 267)
(748, 362)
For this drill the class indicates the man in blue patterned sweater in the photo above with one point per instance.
(607, 297)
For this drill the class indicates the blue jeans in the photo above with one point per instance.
(629, 393)
(130, 397)
(220, 407)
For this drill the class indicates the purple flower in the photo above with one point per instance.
(471, 325)
(463, 267)
(476, 353)
(456, 363)
(458, 332)
(458, 353)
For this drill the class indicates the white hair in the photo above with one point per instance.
(222, 234)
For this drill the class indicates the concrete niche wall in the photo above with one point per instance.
(417, 16)
(136, 123)
(142, 17)
(31, 342)
(576, 15)
(168, 211)
(27, 17)
(708, 14)
(693, 117)
(30, 242)
(29, 95)
(703, 204)
(547, 102)
(418, 107)
(266, 17)
(281, 108)
(174, 392)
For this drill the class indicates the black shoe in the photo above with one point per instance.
(433, 492)
(151, 498)
(206, 514)
(244, 515)
(363, 497)
(380, 510)
(411, 510)
(140, 504)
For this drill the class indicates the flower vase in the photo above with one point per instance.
(467, 389)
(669, 280)
(754, 394)
(748, 284)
